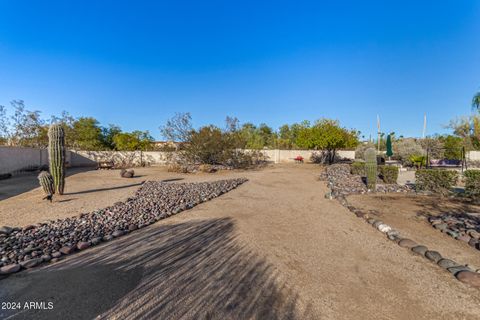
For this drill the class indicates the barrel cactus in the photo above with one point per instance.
(371, 168)
(46, 181)
(56, 155)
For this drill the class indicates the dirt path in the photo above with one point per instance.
(272, 249)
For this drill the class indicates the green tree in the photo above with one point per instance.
(108, 133)
(4, 123)
(327, 135)
(453, 147)
(133, 141)
(87, 134)
(29, 130)
(476, 101)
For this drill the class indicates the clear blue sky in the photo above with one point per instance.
(136, 63)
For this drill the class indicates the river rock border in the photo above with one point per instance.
(28, 247)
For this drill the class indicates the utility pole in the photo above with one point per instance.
(424, 125)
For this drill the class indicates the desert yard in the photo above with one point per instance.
(274, 248)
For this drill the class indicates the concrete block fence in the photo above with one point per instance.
(17, 159)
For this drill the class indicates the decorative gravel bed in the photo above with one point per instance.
(32, 245)
(342, 183)
(464, 227)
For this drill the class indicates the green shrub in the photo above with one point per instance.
(472, 183)
(440, 181)
(389, 174)
(358, 168)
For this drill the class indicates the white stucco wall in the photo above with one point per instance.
(14, 159)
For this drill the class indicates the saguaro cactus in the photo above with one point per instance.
(56, 154)
(46, 181)
(371, 168)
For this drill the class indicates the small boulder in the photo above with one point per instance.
(457, 269)
(67, 250)
(420, 250)
(27, 264)
(83, 245)
(11, 268)
(407, 243)
(118, 233)
(447, 263)
(433, 256)
(6, 230)
(469, 277)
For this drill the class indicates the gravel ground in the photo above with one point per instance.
(274, 248)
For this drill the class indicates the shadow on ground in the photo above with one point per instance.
(104, 189)
(434, 205)
(193, 270)
(25, 182)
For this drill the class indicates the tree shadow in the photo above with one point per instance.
(432, 206)
(192, 270)
(27, 181)
(104, 189)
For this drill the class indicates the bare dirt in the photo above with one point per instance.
(274, 248)
(409, 214)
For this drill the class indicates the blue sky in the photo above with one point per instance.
(136, 63)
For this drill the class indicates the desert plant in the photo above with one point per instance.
(371, 168)
(472, 183)
(56, 155)
(418, 161)
(358, 168)
(389, 174)
(438, 181)
(361, 148)
(46, 181)
(403, 149)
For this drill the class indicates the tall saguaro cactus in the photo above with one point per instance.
(56, 154)
(371, 168)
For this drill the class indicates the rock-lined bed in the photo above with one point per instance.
(464, 227)
(463, 273)
(342, 183)
(32, 245)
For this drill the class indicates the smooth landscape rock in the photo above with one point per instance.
(6, 230)
(420, 250)
(469, 277)
(384, 228)
(67, 250)
(464, 238)
(433, 256)
(83, 245)
(31, 263)
(456, 269)
(11, 268)
(407, 243)
(447, 263)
